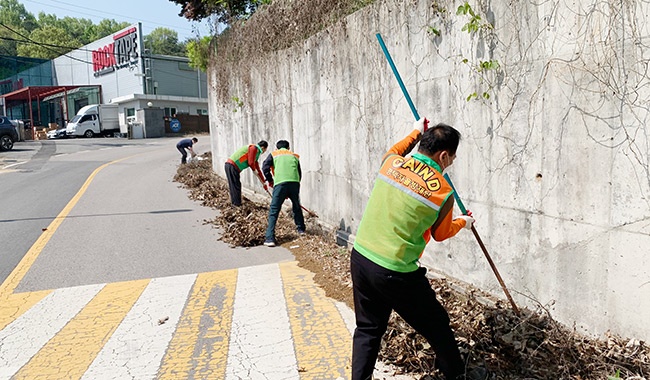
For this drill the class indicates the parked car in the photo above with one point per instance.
(8, 134)
(57, 134)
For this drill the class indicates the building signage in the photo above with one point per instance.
(175, 125)
(121, 53)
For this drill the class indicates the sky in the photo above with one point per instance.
(151, 13)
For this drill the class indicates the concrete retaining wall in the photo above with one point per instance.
(554, 160)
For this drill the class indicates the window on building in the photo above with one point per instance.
(185, 66)
(200, 111)
(170, 111)
(129, 112)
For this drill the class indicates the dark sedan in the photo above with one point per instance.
(8, 134)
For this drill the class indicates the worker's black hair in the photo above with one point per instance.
(263, 144)
(282, 144)
(195, 139)
(438, 138)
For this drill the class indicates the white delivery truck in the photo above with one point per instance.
(94, 119)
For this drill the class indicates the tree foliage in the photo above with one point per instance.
(107, 27)
(225, 11)
(164, 41)
(197, 52)
(14, 14)
(48, 42)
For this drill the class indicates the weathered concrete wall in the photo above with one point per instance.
(554, 161)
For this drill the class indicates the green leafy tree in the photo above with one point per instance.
(105, 28)
(14, 21)
(198, 52)
(224, 10)
(80, 29)
(14, 14)
(164, 41)
(48, 42)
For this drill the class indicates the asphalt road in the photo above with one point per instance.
(108, 271)
(130, 222)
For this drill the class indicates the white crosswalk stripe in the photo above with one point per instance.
(265, 322)
(260, 343)
(137, 346)
(21, 339)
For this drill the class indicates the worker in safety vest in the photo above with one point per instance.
(411, 202)
(243, 158)
(282, 171)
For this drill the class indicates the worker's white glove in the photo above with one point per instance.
(421, 125)
(469, 221)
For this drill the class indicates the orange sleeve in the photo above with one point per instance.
(252, 153)
(446, 227)
(404, 146)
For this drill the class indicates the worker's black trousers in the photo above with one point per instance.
(378, 291)
(234, 184)
(183, 153)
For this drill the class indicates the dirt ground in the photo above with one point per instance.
(527, 346)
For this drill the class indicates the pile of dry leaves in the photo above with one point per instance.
(527, 346)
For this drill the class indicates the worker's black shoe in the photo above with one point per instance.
(269, 243)
(301, 232)
(476, 373)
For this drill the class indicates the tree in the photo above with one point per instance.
(48, 42)
(14, 14)
(164, 41)
(80, 29)
(107, 27)
(224, 10)
(14, 21)
(198, 52)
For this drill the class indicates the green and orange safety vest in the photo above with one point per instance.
(240, 157)
(405, 202)
(286, 166)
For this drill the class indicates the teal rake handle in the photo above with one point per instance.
(399, 79)
(460, 203)
(415, 112)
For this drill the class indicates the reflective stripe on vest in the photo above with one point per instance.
(403, 206)
(285, 166)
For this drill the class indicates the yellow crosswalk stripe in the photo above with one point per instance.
(322, 341)
(72, 350)
(16, 304)
(199, 348)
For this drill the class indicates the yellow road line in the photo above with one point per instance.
(12, 281)
(69, 354)
(199, 348)
(16, 304)
(322, 341)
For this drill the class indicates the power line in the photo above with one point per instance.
(38, 43)
(159, 57)
(75, 11)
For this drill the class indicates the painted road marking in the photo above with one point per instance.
(16, 304)
(70, 352)
(322, 340)
(265, 322)
(19, 272)
(199, 348)
(260, 337)
(136, 348)
(25, 336)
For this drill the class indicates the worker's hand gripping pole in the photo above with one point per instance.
(460, 203)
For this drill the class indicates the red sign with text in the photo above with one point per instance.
(122, 52)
